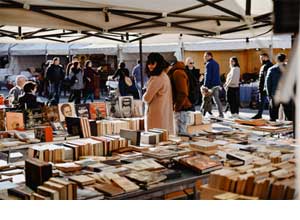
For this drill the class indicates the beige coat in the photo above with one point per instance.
(159, 106)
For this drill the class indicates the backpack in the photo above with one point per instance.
(193, 86)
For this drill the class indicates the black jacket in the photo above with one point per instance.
(29, 100)
(55, 73)
(262, 75)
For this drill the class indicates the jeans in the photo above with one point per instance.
(262, 103)
(215, 95)
(88, 95)
(181, 120)
(54, 93)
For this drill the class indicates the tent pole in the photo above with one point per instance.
(141, 63)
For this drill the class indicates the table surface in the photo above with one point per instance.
(187, 180)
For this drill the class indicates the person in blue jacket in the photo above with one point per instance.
(212, 79)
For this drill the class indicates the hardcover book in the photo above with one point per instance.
(50, 114)
(14, 121)
(126, 106)
(83, 110)
(97, 110)
(66, 110)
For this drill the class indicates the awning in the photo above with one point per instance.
(28, 49)
(115, 18)
(57, 49)
(148, 48)
(93, 49)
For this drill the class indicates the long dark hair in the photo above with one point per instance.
(76, 67)
(236, 61)
(161, 64)
(87, 63)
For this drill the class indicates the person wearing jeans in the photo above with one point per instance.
(266, 64)
(212, 79)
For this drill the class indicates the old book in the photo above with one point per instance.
(83, 110)
(112, 108)
(44, 133)
(61, 189)
(97, 110)
(37, 172)
(73, 126)
(71, 187)
(203, 146)
(2, 120)
(22, 192)
(85, 127)
(196, 129)
(149, 138)
(108, 189)
(226, 196)
(201, 163)
(82, 180)
(68, 167)
(66, 110)
(15, 121)
(45, 191)
(89, 193)
(37, 196)
(252, 122)
(138, 108)
(133, 136)
(126, 106)
(50, 114)
(163, 134)
(125, 184)
(33, 118)
(146, 177)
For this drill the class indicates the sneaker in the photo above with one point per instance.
(256, 117)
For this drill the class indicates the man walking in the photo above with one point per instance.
(212, 80)
(266, 64)
(55, 75)
(271, 85)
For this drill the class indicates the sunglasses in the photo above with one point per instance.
(192, 63)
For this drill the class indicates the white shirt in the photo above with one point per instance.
(233, 78)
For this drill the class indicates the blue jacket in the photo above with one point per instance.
(272, 79)
(212, 74)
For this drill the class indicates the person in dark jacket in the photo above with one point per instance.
(88, 79)
(195, 75)
(28, 100)
(271, 86)
(266, 64)
(180, 90)
(212, 79)
(76, 74)
(55, 75)
(126, 84)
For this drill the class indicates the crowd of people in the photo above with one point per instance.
(169, 88)
(184, 83)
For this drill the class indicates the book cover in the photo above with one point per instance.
(113, 108)
(126, 106)
(50, 114)
(33, 118)
(66, 110)
(138, 108)
(2, 120)
(97, 110)
(83, 110)
(14, 121)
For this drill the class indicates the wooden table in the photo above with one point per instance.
(186, 181)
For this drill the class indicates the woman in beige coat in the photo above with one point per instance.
(158, 96)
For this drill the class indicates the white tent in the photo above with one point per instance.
(4, 49)
(28, 49)
(57, 49)
(114, 18)
(93, 49)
